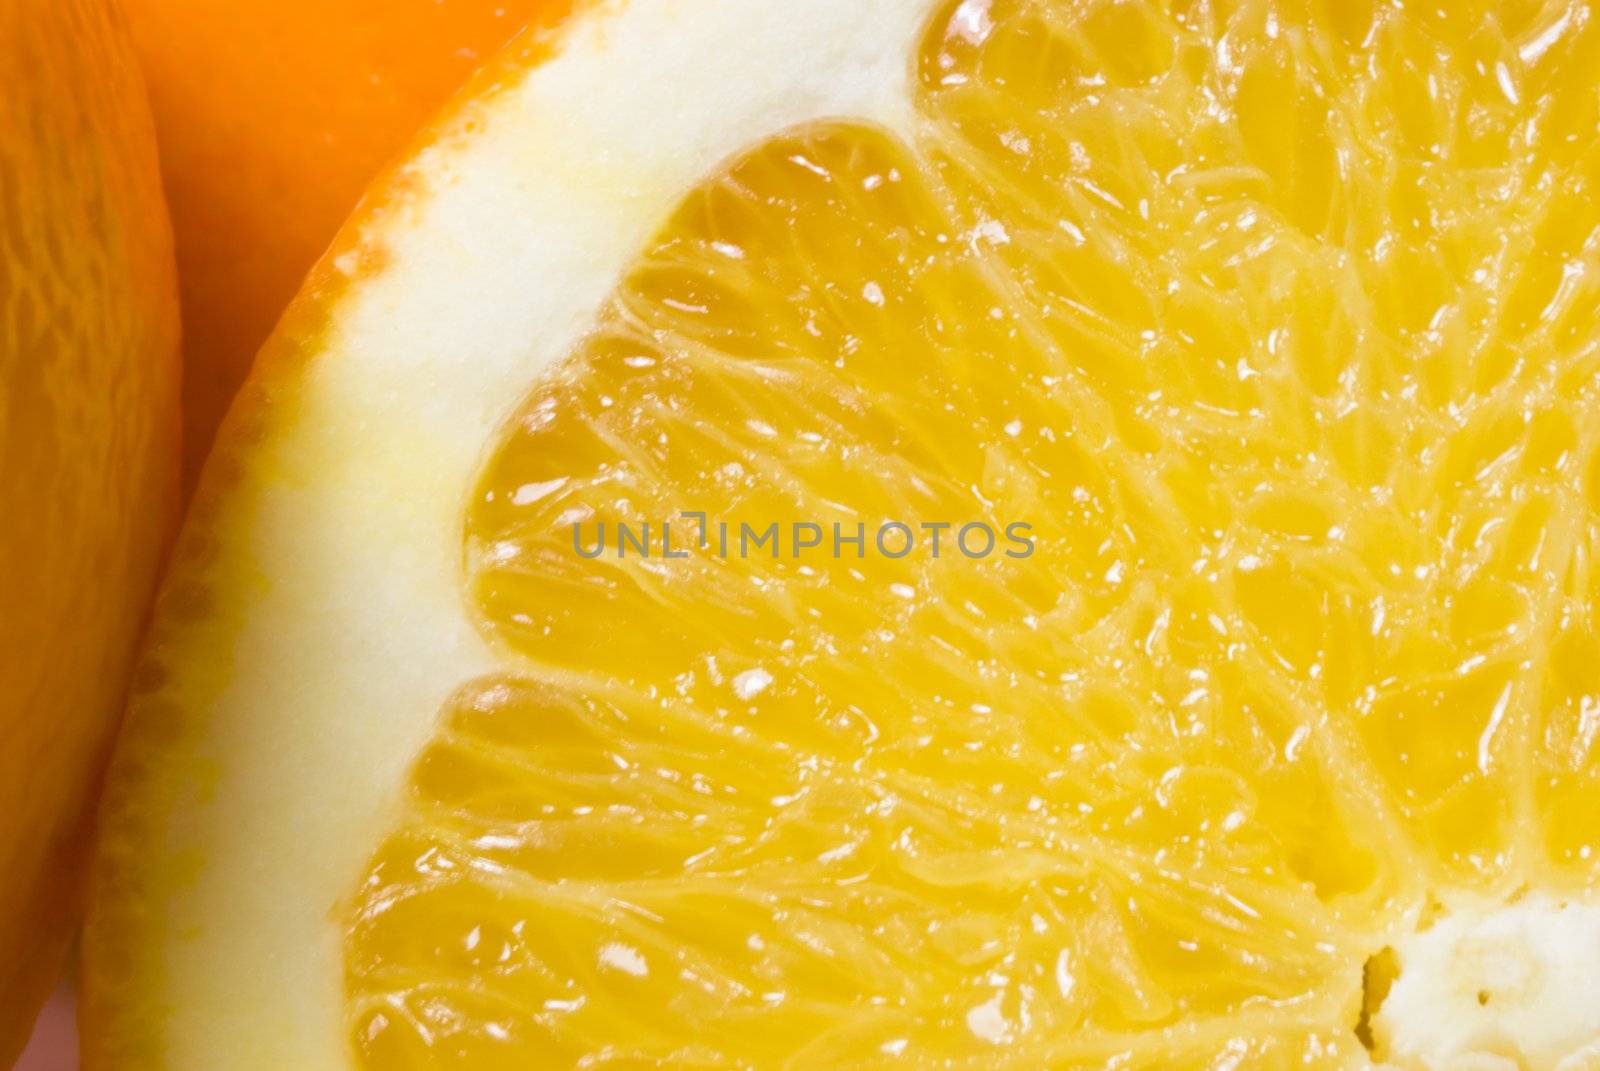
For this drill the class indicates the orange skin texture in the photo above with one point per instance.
(89, 450)
(273, 117)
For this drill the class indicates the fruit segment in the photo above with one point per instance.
(1273, 325)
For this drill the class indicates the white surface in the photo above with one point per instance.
(54, 1045)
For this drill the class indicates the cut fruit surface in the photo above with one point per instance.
(1035, 534)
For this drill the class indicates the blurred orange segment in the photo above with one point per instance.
(273, 116)
(88, 451)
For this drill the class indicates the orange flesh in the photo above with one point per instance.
(273, 117)
(1277, 322)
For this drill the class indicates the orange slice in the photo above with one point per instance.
(562, 672)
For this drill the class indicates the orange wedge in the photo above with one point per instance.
(975, 534)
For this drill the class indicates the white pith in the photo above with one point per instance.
(327, 672)
(1511, 987)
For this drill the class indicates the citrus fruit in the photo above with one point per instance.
(88, 450)
(273, 117)
(963, 534)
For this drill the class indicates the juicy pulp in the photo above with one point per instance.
(1276, 323)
